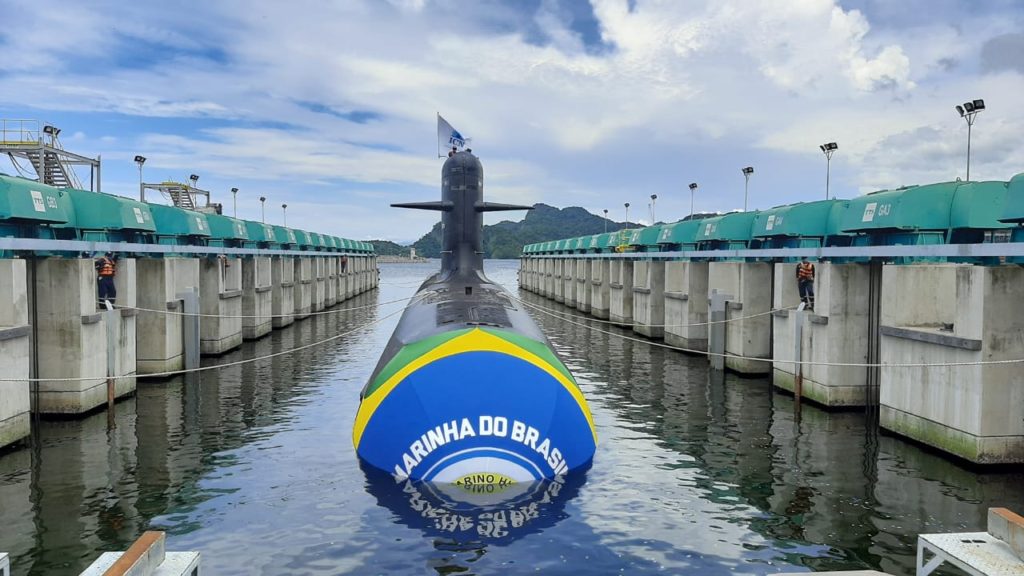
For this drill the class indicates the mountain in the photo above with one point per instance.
(506, 239)
(389, 248)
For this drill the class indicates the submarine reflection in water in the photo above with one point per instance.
(468, 387)
(492, 513)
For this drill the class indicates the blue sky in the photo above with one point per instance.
(331, 107)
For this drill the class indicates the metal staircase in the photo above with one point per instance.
(41, 147)
(180, 195)
(181, 198)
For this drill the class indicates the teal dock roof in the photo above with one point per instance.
(24, 199)
(98, 211)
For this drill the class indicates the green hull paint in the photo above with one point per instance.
(413, 351)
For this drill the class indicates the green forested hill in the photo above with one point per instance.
(389, 248)
(506, 239)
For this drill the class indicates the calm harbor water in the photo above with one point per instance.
(253, 466)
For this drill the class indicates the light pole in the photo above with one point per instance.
(284, 213)
(234, 202)
(746, 184)
(967, 112)
(194, 178)
(693, 188)
(829, 149)
(605, 220)
(140, 160)
(627, 214)
(654, 197)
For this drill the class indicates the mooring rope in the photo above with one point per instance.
(634, 324)
(776, 361)
(320, 313)
(213, 366)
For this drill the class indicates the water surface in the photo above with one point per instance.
(253, 465)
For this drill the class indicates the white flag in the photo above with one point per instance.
(448, 137)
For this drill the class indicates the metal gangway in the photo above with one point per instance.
(38, 144)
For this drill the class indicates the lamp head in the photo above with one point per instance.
(263, 198)
(627, 204)
(748, 170)
(234, 190)
(654, 196)
(960, 109)
(140, 160)
(979, 104)
(693, 185)
(969, 106)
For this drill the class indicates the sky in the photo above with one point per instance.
(331, 107)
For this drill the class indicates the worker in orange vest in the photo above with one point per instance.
(805, 282)
(106, 268)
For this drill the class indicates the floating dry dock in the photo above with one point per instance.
(188, 282)
(919, 303)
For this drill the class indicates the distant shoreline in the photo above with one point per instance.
(400, 260)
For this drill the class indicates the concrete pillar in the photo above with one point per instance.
(355, 264)
(686, 304)
(620, 298)
(748, 330)
(536, 275)
(558, 286)
(952, 313)
(15, 333)
(569, 282)
(649, 298)
(303, 287)
(349, 280)
(547, 273)
(123, 343)
(375, 271)
(282, 274)
(583, 286)
(220, 301)
(257, 297)
(72, 337)
(159, 335)
(339, 281)
(600, 291)
(331, 281)
(319, 286)
(835, 331)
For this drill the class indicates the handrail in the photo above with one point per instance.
(46, 245)
(27, 136)
(925, 251)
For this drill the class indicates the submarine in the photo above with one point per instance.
(468, 391)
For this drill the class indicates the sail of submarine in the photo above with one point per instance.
(469, 390)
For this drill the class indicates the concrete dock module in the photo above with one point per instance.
(14, 352)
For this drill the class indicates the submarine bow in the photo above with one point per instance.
(468, 391)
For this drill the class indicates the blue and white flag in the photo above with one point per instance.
(448, 137)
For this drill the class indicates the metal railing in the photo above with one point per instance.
(95, 247)
(19, 132)
(925, 251)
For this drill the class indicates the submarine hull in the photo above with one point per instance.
(468, 390)
(475, 405)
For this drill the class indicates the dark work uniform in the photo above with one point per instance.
(106, 268)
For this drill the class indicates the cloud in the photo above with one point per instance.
(1004, 52)
(567, 103)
